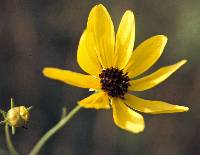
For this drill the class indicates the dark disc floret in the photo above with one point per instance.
(114, 82)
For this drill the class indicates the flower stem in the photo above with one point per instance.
(53, 130)
(9, 141)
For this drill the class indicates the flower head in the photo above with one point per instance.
(111, 64)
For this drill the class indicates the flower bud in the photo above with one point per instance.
(18, 116)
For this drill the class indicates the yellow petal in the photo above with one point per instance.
(145, 55)
(126, 118)
(125, 40)
(155, 78)
(87, 57)
(97, 101)
(101, 29)
(72, 78)
(153, 107)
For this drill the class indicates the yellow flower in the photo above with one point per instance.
(112, 65)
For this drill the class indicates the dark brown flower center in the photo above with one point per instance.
(114, 82)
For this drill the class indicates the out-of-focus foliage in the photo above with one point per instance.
(35, 34)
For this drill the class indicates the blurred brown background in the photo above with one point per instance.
(39, 33)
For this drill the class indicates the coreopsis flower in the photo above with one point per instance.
(112, 67)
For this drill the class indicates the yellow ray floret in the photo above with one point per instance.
(86, 55)
(125, 40)
(72, 78)
(98, 100)
(126, 118)
(145, 55)
(153, 107)
(102, 30)
(155, 78)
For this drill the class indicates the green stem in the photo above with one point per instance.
(53, 130)
(9, 141)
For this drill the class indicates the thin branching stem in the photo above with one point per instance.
(9, 143)
(53, 130)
